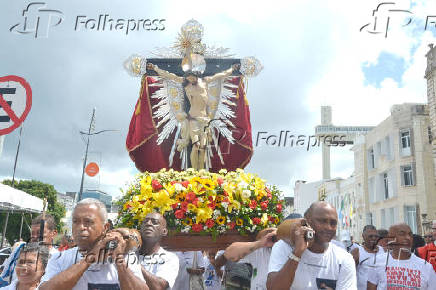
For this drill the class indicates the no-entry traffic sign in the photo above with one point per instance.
(15, 102)
(92, 169)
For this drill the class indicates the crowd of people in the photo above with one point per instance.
(99, 257)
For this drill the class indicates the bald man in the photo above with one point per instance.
(402, 269)
(159, 267)
(316, 263)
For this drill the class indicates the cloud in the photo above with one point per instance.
(312, 52)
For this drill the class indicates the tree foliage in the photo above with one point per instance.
(38, 189)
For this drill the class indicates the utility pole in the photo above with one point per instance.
(91, 129)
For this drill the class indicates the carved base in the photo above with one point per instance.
(198, 242)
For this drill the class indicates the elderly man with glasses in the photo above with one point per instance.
(101, 258)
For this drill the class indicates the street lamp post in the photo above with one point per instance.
(91, 128)
(90, 132)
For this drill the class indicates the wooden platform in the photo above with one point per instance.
(198, 242)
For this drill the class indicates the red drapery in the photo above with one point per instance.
(148, 156)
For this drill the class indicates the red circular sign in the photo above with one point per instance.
(18, 91)
(92, 169)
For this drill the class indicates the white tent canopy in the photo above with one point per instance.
(16, 201)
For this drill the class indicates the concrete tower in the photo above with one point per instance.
(326, 120)
(430, 75)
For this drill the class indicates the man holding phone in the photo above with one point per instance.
(312, 263)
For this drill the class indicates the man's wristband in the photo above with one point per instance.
(294, 258)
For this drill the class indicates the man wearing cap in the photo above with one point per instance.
(428, 252)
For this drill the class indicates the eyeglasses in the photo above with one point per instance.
(428, 236)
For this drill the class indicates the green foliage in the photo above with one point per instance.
(38, 189)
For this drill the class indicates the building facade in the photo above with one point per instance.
(394, 169)
(101, 196)
(68, 202)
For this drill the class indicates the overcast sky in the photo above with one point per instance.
(313, 54)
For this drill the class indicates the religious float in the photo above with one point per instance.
(190, 136)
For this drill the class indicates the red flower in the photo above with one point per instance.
(197, 227)
(142, 201)
(220, 181)
(226, 199)
(253, 204)
(174, 205)
(128, 206)
(279, 207)
(231, 225)
(264, 205)
(156, 185)
(225, 193)
(185, 183)
(212, 205)
(210, 198)
(184, 206)
(179, 214)
(256, 220)
(210, 223)
(173, 182)
(190, 196)
(195, 201)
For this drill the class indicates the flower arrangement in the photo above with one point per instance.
(203, 202)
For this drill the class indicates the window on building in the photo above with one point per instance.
(383, 218)
(390, 217)
(371, 158)
(407, 175)
(430, 136)
(410, 217)
(387, 147)
(371, 190)
(386, 185)
(405, 143)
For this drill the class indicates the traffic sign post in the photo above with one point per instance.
(15, 102)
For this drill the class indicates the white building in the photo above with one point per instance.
(393, 163)
(68, 202)
(305, 193)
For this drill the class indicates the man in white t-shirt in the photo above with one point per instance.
(159, 267)
(186, 260)
(367, 256)
(88, 266)
(316, 263)
(256, 253)
(402, 270)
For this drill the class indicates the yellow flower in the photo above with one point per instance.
(187, 222)
(191, 207)
(208, 184)
(170, 189)
(234, 205)
(162, 201)
(264, 219)
(221, 220)
(146, 189)
(203, 214)
(239, 222)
